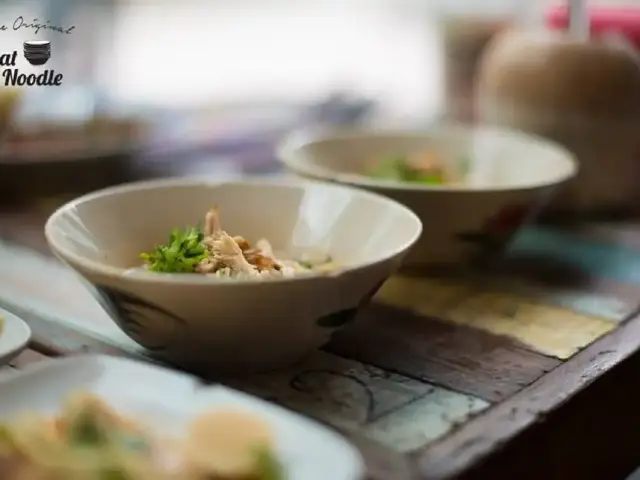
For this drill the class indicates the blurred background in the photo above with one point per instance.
(160, 87)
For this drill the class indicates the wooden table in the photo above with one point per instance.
(525, 369)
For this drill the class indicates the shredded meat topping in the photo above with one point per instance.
(233, 253)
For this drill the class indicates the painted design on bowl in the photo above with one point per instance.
(153, 327)
(496, 231)
(343, 317)
(338, 319)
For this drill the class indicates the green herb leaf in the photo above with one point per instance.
(397, 168)
(392, 168)
(430, 179)
(86, 430)
(114, 474)
(6, 437)
(267, 466)
(181, 254)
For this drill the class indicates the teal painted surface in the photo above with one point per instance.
(592, 257)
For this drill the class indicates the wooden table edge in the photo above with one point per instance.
(487, 435)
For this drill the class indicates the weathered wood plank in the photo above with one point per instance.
(594, 297)
(587, 396)
(399, 412)
(455, 356)
(565, 285)
(550, 330)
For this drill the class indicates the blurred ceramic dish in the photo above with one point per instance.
(197, 320)
(67, 141)
(511, 176)
(53, 156)
(167, 401)
(14, 336)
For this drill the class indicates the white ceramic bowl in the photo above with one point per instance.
(198, 321)
(513, 175)
(15, 335)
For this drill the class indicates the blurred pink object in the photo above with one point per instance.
(624, 20)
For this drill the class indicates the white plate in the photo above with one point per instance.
(14, 336)
(167, 400)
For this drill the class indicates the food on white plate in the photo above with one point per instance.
(89, 440)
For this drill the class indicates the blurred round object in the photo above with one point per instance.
(465, 39)
(583, 95)
(43, 159)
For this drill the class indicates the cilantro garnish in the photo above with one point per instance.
(181, 254)
(392, 168)
(86, 430)
(397, 168)
(267, 466)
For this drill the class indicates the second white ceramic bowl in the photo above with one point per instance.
(512, 178)
(198, 321)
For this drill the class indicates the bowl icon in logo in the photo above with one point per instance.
(37, 52)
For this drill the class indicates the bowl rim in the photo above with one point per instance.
(196, 279)
(288, 152)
